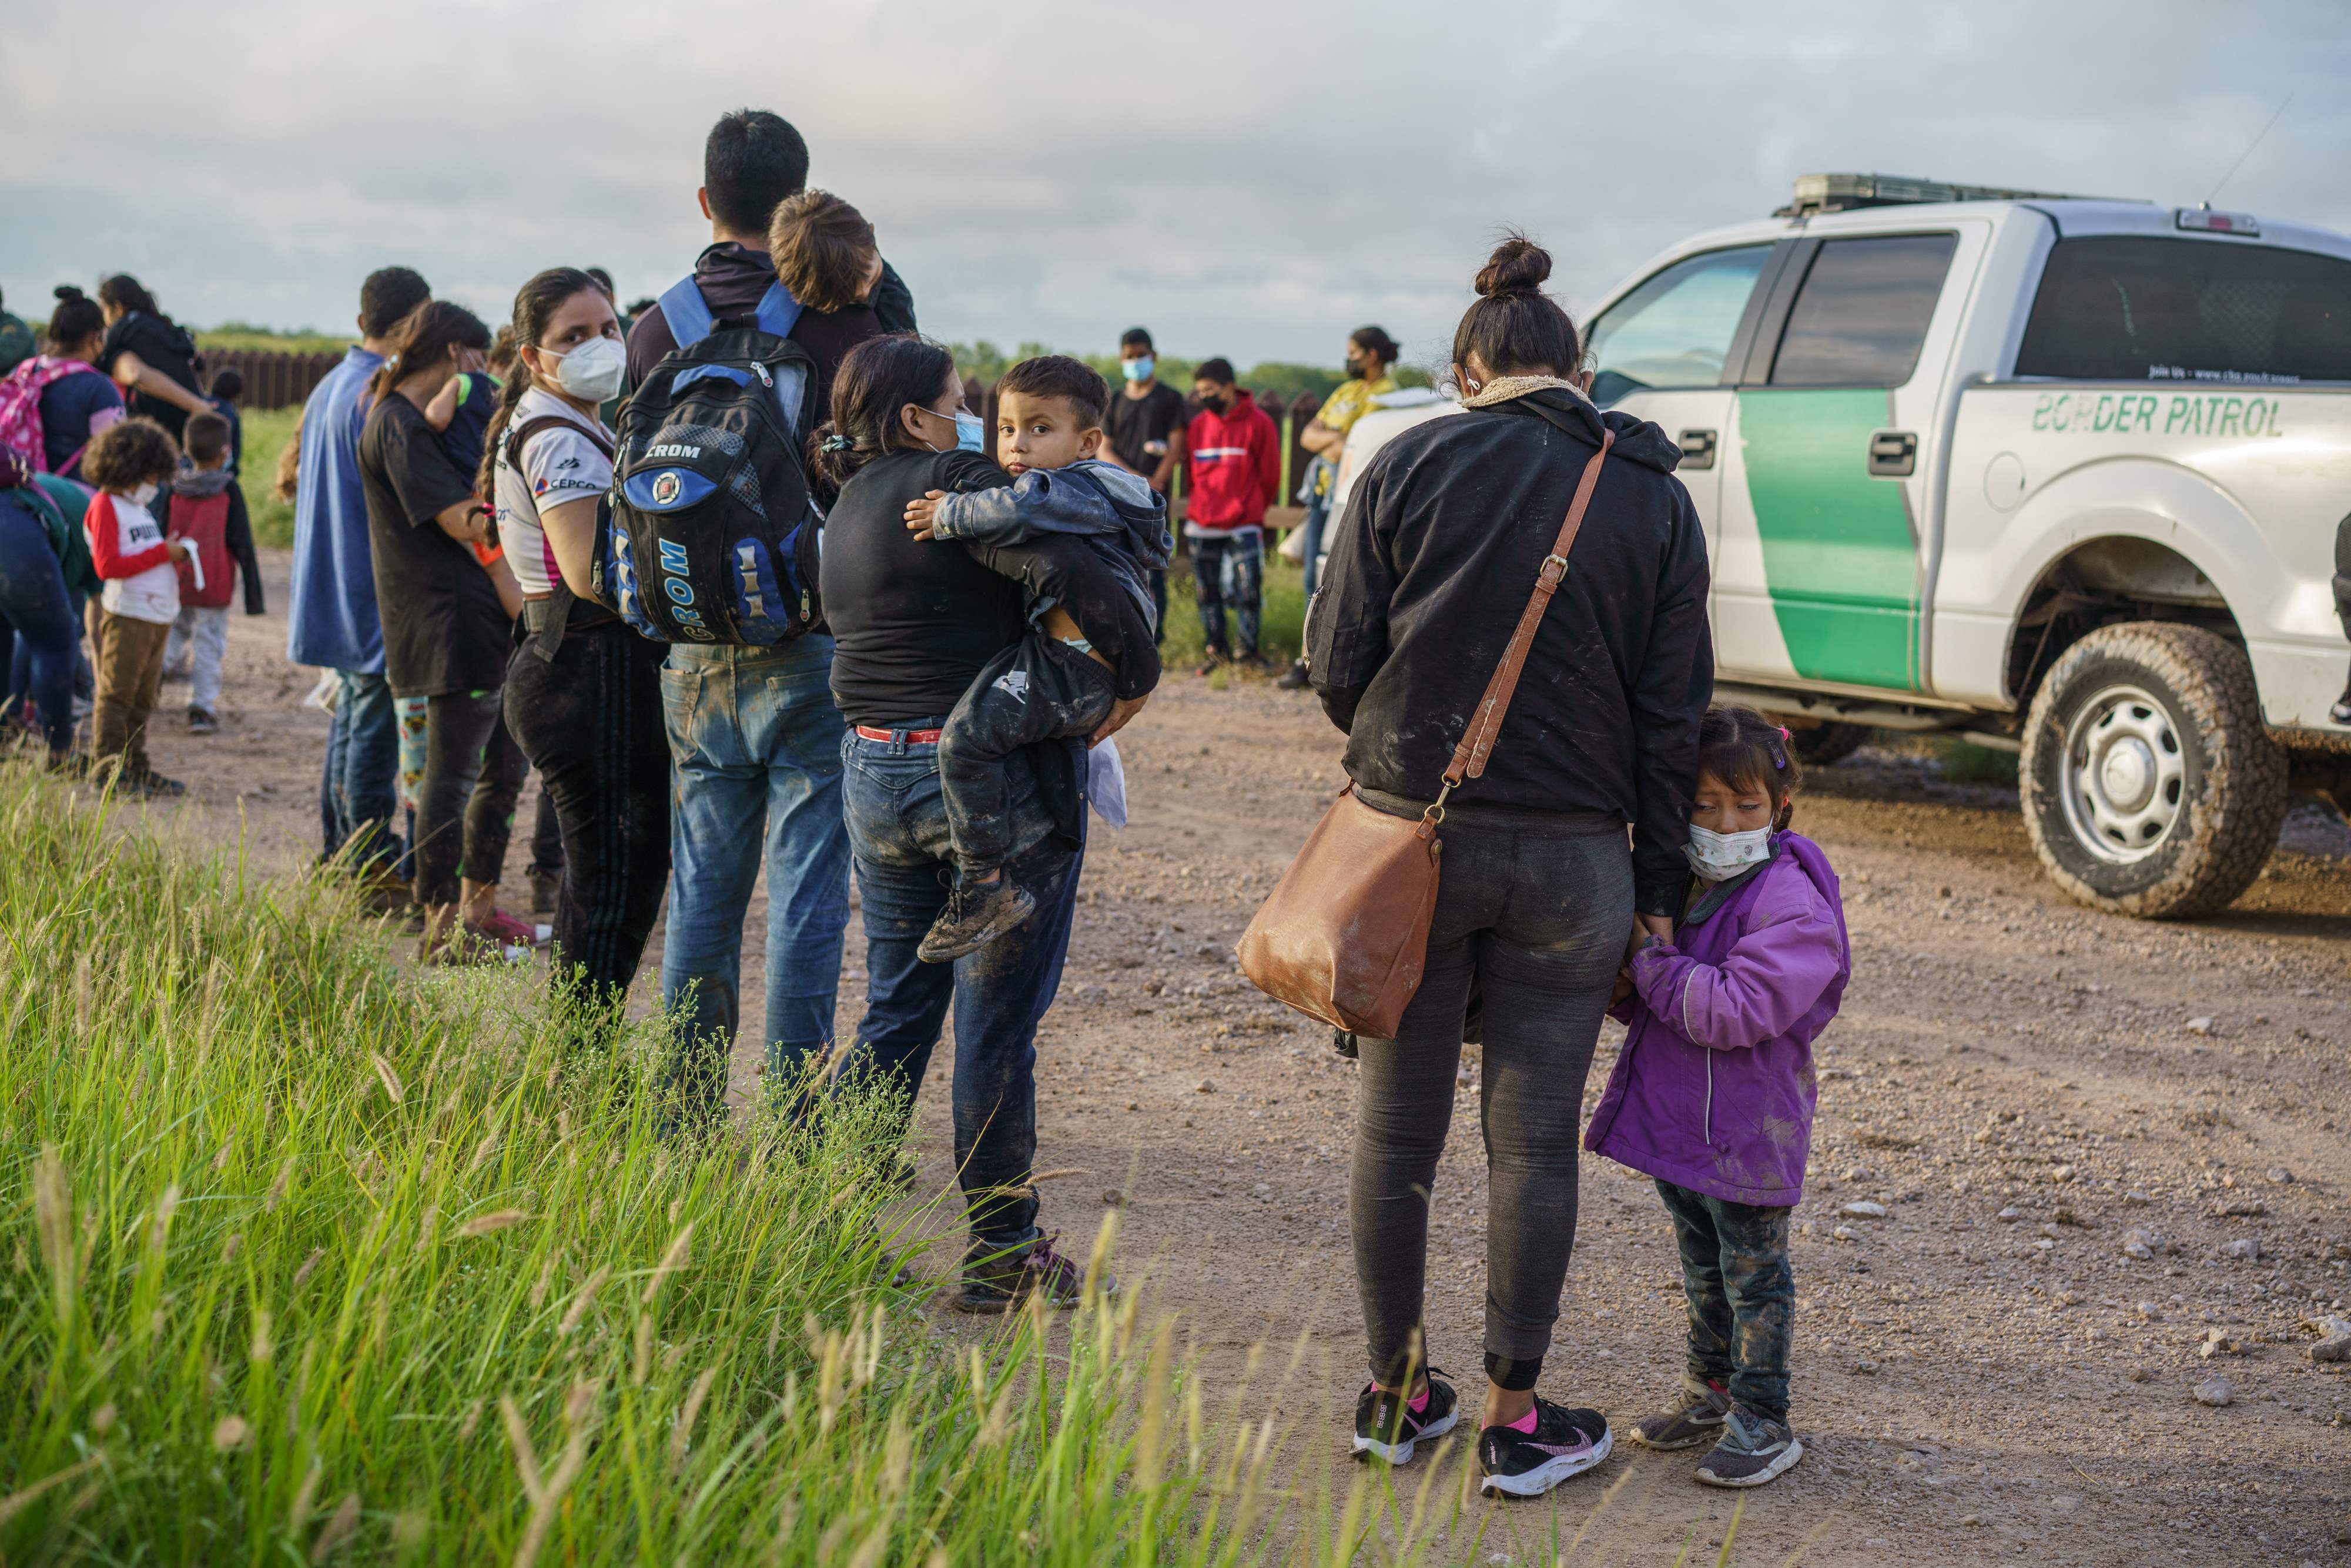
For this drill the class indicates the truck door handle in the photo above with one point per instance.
(1892, 453)
(1697, 448)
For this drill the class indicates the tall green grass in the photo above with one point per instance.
(1282, 619)
(304, 1256)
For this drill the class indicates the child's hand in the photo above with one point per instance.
(922, 514)
(1621, 988)
(177, 548)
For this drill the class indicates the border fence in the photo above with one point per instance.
(274, 380)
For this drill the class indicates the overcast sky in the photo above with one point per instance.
(1252, 179)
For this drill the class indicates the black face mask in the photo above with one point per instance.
(1358, 371)
(1216, 404)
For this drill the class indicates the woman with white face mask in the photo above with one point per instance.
(582, 691)
(1432, 565)
(444, 633)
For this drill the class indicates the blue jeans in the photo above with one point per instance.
(38, 629)
(1742, 1296)
(1318, 518)
(755, 747)
(358, 794)
(898, 830)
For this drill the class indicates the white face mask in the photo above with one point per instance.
(1719, 857)
(143, 495)
(593, 371)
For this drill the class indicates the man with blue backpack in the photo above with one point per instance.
(711, 444)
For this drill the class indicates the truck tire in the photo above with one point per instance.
(2149, 785)
(1825, 745)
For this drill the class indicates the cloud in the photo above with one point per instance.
(1248, 180)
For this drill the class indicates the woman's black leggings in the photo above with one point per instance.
(1534, 916)
(466, 803)
(590, 718)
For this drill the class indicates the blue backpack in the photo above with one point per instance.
(713, 533)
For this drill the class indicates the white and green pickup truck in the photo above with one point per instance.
(2063, 476)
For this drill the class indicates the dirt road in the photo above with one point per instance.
(2099, 1143)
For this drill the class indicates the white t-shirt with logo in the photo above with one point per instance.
(560, 465)
(150, 595)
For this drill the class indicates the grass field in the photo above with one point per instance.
(1281, 625)
(267, 432)
(310, 1257)
(239, 337)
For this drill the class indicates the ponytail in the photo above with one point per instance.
(538, 300)
(876, 378)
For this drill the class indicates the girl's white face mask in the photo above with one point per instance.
(592, 371)
(1719, 857)
(144, 495)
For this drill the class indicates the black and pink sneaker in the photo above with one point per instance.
(1527, 1459)
(1388, 1424)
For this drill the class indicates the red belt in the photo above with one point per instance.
(911, 736)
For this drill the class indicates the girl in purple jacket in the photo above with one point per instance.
(1713, 1089)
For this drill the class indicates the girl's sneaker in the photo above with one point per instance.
(1527, 1459)
(500, 927)
(1694, 1417)
(1387, 1426)
(1753, 1450)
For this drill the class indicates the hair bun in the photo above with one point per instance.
(67, 291)
(1519, 265)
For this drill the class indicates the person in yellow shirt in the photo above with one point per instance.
(1370, 352)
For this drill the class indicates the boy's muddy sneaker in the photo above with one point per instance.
(1753, 1450)
(154, 785)
(1693, 1418)
(1388, 1424)
(203, 721)
(1294, 679)
(977, 912)
(997, 1281)
(1528, 1457)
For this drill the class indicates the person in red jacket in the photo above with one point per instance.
(1232, 456)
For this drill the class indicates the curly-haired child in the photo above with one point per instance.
(131, 618)
(1713, 1089)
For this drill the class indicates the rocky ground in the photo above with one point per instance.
(2111, 1158)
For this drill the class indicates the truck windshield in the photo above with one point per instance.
(2121, 308)
(1674, 329)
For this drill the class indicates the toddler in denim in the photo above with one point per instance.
(1052, 684)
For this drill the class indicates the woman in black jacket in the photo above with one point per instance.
(1431, 566)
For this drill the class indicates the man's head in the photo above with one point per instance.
(1138, 360)
(207, 440)
(751, 160)
(387, 296)
(604, 281)
(1212, 384)
(1048, 413)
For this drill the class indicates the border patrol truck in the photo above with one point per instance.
(2063, 475)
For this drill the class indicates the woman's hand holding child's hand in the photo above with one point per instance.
(923, 512)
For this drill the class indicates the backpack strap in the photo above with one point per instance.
(531, 429)
(690, 319)
(687, 313)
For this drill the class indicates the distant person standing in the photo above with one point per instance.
(76, 401)
(227, 386)
(1234, 458)
(1370, 352)
(16, 343)
(148, 355)
(332, 620)
(1144, 433)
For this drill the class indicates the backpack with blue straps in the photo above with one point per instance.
(713, 533)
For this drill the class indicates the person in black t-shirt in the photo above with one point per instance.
(150, 355)
(445, 634)
(1144, 431)
(916, 624)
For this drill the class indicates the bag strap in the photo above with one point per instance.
(1470, 757)
(686, 312)
(531, 429)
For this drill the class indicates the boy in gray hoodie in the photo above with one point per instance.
(1050, 684)
(207, 511)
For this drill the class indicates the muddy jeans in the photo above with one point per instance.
(1040, 688)
(1742, 1298)
(129, 672)
(1532, 910)
(1229, 573)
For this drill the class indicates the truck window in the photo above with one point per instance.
(1862, 315)
(1674, 329)
(2132, 309)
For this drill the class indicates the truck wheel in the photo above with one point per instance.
(1826, 744)
(2149, 785)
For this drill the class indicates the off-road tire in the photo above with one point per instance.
(1826, 745)
(2233, 795)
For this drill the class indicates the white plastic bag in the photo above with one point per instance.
(1106, 783)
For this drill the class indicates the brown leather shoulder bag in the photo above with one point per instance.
(1344, 935)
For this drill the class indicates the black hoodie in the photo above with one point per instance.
(733, 277)
(1431, 566)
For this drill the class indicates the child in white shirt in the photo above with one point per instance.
(131, 618)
